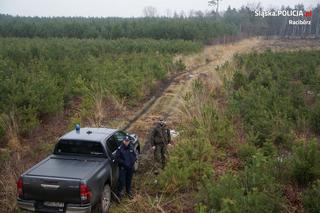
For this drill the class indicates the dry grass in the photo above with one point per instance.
(8, 176)
(159, 203)
(10, 125)
(12, 166)
(105, 105)
(96, 117)
(142, 203)
(219, 54)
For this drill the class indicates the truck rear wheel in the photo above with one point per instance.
(105, 199)
(136, 164)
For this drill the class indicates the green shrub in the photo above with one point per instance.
(272, 100)
(189, 162)
(41, 76)
(222, 194)
(258, 174)
(215, 126)
(253, 190)
(269, 149)
(246, 151)
(27, 118)
(311, 198)
(239, 80)
(179, 66)
(315, 117)
(306, 162)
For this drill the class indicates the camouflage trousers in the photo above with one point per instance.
(160, 153)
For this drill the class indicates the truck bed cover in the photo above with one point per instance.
(65, 168)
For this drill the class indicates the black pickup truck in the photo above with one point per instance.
(78, 175)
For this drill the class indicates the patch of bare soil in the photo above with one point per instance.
(290, 44)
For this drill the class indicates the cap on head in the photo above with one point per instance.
(126, 139)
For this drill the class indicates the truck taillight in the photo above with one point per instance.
(19, 187)
(85, 194)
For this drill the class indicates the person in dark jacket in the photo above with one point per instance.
(160, 138)
(126, 157)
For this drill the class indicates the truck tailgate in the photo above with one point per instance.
(51, 189)
(57, 179)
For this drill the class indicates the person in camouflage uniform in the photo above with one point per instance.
(160, 138)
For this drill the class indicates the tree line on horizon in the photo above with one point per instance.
(197, 26)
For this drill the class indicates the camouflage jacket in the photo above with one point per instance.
(160, 135)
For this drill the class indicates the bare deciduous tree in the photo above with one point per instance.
(168, 13)
(150, 11)
(215, 3)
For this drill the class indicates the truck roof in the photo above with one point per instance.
(89, 134)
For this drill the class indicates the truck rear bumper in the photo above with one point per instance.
(30, 205)
(26, 205)
(78, 209)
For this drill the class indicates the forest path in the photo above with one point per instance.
(171, 100)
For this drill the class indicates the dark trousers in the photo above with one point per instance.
(125, 179)
(160, 155)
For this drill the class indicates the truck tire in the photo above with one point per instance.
(136, 164)
(105, 199)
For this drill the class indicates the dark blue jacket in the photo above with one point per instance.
(126, 156)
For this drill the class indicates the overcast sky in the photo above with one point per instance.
(123, 8)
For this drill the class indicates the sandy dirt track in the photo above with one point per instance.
(170, 102)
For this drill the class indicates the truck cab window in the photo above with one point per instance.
(120, 136)
(112, 144)
(79, 148)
